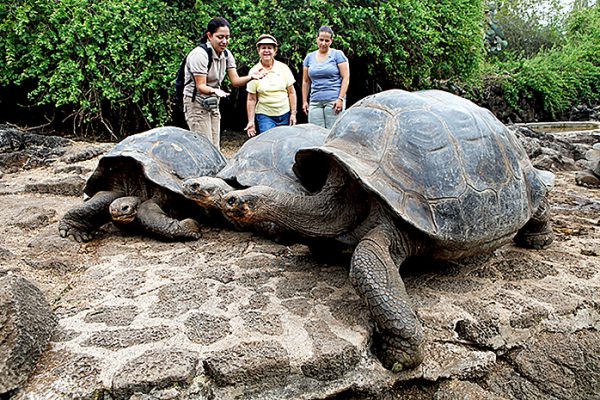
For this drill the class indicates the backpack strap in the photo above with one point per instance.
(209, 53)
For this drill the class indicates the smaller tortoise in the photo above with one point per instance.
(266, 159)
(138, 184)
(403, 175)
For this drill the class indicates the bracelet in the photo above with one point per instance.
(341, 98)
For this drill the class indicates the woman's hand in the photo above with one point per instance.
(220, 93)
(293, 119)
(250, 129)
(261, 73)
(305, 107)
(338, 106)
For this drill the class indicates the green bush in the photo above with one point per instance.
(104, 62)
(530, 26)
(563, 76)
(404, 43)
(109, 65)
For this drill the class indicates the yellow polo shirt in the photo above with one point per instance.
(271, 91)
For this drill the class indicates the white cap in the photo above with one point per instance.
(267, 39)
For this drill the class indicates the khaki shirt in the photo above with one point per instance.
(196, 64)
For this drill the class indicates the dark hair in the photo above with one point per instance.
(326, 29)
(213, 25)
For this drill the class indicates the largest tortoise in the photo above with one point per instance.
(139, 184)
(402, 175)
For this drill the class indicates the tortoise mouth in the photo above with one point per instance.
(203, 198)
(123, 218)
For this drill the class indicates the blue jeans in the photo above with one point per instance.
(266, 122)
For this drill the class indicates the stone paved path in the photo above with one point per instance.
(235, 316)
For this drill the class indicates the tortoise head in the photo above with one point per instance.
(206, 191)
(248, 205)
(124, 209)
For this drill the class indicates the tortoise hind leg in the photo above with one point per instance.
(155, 221)
(79, 222)
(377, 279)
(537, 232)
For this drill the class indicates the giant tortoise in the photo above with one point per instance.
(139, 183)
(408, 174)
(266, 159)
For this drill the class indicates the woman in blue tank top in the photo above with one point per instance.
(326, 75)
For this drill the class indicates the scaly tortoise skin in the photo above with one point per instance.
(138, 184)
(402, 175)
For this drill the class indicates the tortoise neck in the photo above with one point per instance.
(336, 209)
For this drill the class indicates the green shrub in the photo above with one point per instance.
(107, 62)
(404, 43)
(562, 76)
(110, 64)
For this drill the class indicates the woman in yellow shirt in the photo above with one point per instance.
(272, 99)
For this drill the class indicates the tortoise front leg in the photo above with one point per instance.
(155, 221)
(79, 222)
(376, 278)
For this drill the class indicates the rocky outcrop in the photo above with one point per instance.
(26, 325)
(558, 146)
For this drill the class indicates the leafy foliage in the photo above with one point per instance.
(405, 42)
(111, 63)
(558, 78)
(530, 25)
(107, 61)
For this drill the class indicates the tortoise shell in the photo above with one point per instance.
(441, 163)
(267, 159)
(167, 156)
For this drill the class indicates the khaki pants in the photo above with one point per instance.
(204, 122)
(321, 113)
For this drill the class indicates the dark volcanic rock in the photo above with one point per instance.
(28, 150)
(70, 186)
(26, 323)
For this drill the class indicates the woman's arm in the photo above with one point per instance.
(251, 111)
(238, 81)
(293, 103)
(345, 74)
(305, 89)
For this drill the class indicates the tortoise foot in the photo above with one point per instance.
(535, 240)
(397, 354)
(192, 227)
(78, 231)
